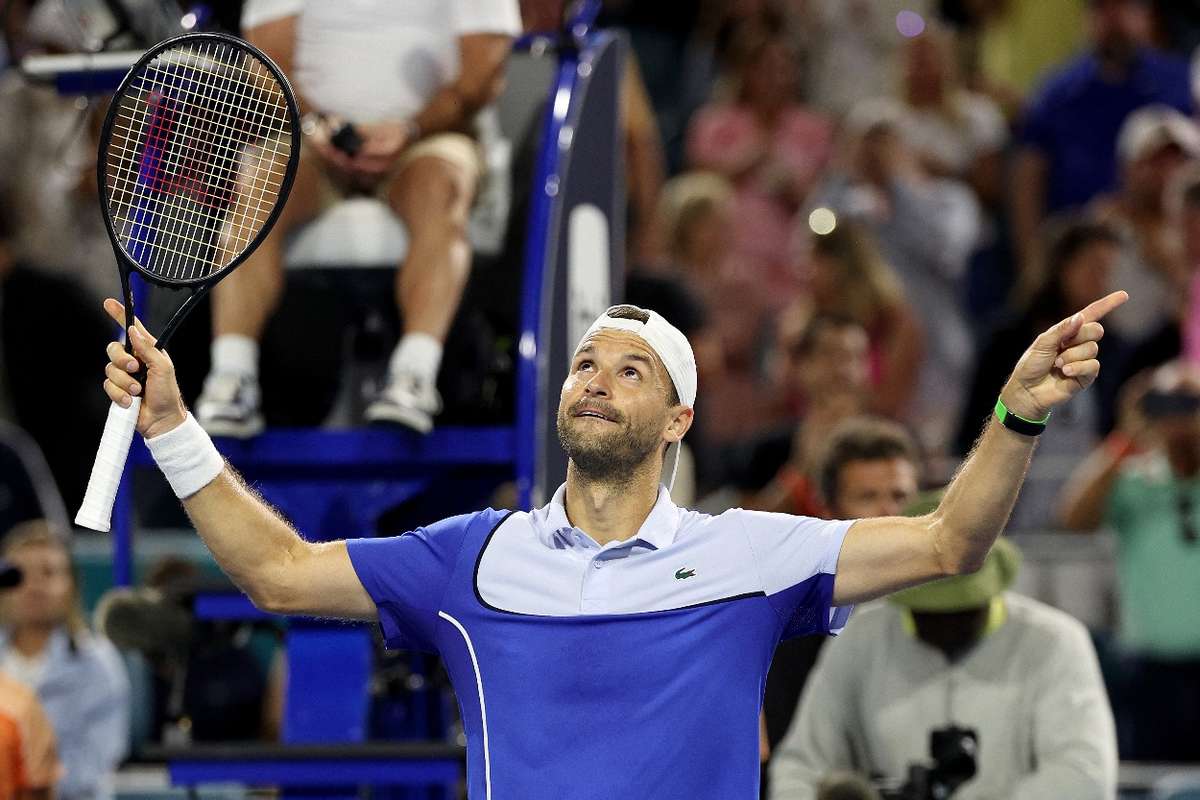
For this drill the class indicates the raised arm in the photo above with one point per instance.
(884, 554)
(255, 547)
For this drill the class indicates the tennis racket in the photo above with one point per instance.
(197, 156)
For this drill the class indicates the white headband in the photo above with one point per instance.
(667, 342)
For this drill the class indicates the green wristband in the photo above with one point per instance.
(1028, 427)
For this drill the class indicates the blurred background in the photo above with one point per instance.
(855, 209)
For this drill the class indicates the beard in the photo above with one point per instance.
(607, 452)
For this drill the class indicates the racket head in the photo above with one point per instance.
(198, 153)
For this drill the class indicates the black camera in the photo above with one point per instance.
(952, 752)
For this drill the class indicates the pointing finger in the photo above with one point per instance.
(1103, 306)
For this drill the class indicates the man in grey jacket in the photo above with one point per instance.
(961, 652)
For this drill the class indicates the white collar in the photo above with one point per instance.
(657, 531)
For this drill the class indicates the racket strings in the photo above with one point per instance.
(225, 163)
(197, 159)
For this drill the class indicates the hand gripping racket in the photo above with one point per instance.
(197, 156)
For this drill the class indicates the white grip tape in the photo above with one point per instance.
(96, 511)
(187, 457)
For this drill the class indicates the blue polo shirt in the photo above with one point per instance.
(630, 670)
(1075, 117)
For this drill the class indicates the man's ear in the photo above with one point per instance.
(681, 422)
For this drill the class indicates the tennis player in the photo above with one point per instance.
(610, 644)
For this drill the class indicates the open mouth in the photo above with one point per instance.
(589, 413)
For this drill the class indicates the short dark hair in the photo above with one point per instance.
(635, 313)
(818, 325)
(863, 439)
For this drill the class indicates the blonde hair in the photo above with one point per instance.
(866, 284)
(684, 200)
(41, 533)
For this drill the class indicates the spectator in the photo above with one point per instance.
(695, 217)
(870, 468)
(77, 675)
(1080, 260)
(955, 132)
(1068, 146)
(1016, 42)
(958, 652)
(1154, 146)
(825, 373)
(1177, 332)
(960, 134)
(1141, 484)
(29, 767)
(927, 228)
(1190, 226)
(411, 77)
(849, 277)
(769, 146)
(48, 148)
(852, 48)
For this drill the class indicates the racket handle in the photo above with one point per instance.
(96, 511)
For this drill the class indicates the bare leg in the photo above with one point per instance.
(433, 197)
(245, 299)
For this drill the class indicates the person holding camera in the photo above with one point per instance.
(957, 688)
(1143, 484)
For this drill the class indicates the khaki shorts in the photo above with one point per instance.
(458, 149)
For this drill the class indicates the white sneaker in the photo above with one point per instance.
(230, 406)
(406, 400)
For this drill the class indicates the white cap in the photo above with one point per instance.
(666, 341)
(1153, 127)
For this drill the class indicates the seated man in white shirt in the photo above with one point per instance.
(958, 655)
(410, 78)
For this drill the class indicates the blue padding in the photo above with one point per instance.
(226, 606)
(101, 81)
(302, 449)
(329, 669)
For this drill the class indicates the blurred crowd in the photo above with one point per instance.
(861, 212)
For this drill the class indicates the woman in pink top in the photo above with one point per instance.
(770, 147)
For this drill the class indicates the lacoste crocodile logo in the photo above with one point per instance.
(683, 573)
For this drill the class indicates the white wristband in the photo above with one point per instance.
(187, 457)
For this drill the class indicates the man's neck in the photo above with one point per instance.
(609, 511)
(31, 640)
